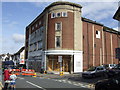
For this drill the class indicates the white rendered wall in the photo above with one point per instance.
(78, 62)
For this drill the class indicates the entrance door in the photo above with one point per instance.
(66, 65)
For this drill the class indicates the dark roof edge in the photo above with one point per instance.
(91, 21)
(107, 29)
(40, 15)
(20, 50)
(63, 3)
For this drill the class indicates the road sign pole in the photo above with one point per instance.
(60, 61)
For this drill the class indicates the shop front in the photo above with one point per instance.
(54, 64)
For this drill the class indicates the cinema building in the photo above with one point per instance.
(60, 30)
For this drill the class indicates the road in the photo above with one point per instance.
(47, 83)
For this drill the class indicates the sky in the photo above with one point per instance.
(17, 14)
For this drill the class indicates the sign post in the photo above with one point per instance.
(60, 61)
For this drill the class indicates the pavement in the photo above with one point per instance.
(57, 76)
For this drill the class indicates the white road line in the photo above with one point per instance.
(35, 85)
(20, 78)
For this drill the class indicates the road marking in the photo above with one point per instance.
(20, 78)
(83, 86)
(69, 82)
(35, 85)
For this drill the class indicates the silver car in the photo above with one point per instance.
(94, 71)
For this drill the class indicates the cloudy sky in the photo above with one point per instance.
(17, 14)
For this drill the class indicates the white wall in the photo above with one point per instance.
(78, 62)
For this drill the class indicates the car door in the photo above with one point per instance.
(97, 71)
(100, 71)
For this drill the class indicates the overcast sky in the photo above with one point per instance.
(17, 15)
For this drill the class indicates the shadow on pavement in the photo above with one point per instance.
(85, 80)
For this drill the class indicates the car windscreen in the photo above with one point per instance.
(91, 69)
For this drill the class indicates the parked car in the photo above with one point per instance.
(113, 72)
(109, 66)
(93, 72)
(108, 84)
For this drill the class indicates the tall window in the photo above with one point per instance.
(39, 22)
(32, 27)
(36, 25)
(97, 34)
(58, 26)
(58, 41)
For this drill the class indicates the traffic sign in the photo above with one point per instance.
(59, 58)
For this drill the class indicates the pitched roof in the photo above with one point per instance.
(21, 49)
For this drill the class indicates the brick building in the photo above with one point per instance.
(60, 30)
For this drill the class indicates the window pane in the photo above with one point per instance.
(53, 15)
(97, 34)
(58, 26)
(64, 14)
(58, 41)
(58, 14)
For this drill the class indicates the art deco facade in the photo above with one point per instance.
(60, 30)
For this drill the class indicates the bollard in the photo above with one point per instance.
(61, 73)
(45, 72)
(34, 75)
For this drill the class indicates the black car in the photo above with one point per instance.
(110, 73)
(108, 84)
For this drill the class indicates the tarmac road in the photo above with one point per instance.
(46, 84)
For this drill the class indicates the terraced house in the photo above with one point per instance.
(60, 30)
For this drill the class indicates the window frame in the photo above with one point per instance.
(56, 26)
(65, 15)
(98, 35)
(40, 22)
(33, 27)
(56, 45)
(58, 13)
(52, 15)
